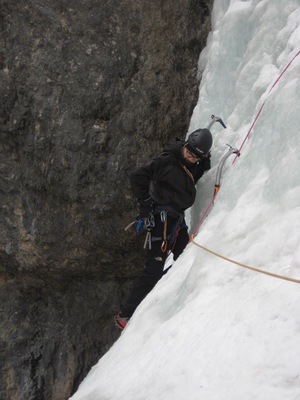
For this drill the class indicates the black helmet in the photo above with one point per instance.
(199, 142)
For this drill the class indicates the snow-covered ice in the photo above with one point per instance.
(210, 329)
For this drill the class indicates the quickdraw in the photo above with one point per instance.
(148, 241)
(149, 223)
(164, 220)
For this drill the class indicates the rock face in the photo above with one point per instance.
(89, 90)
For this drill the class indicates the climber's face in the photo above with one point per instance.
(189, 156)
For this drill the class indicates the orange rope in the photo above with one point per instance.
(189, 174)
(246, 266)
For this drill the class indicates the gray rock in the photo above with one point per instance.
(88, 91)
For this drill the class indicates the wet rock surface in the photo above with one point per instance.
(88, 91)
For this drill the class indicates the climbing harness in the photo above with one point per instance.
(149, 223)
(171, 238)
(246, 266)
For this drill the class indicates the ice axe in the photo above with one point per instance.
(216, 119)
(231, 150)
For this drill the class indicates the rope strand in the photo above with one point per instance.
(246, 266)
(216, 192)
(263, 104)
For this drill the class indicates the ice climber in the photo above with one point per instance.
(165, 188)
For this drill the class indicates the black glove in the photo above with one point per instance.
(206, 162)
(146, 206)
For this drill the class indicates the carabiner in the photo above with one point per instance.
(164, 246)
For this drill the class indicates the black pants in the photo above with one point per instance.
(155, 260)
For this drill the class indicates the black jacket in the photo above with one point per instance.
(168, 180)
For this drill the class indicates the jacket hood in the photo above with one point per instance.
(174, 147)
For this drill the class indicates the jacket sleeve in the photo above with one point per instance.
(141, 177)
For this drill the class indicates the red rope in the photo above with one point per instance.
(274, 84)
(206, 212)
(262, 106)
(248, 133)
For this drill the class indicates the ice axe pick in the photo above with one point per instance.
(216, 119)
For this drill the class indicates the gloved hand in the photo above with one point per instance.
(206, 162)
